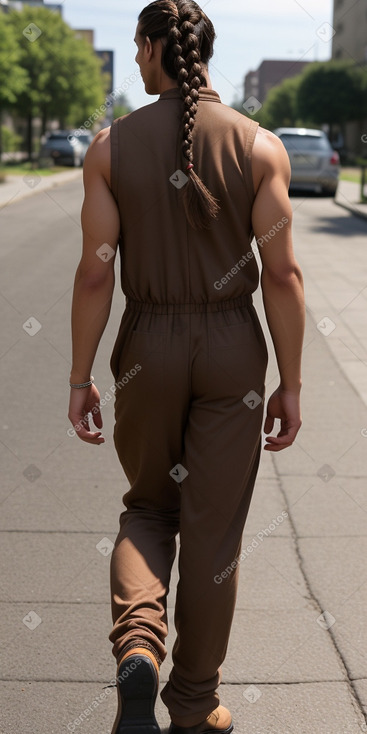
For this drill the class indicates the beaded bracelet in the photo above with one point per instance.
(83, 384)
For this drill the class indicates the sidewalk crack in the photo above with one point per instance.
(355, 696)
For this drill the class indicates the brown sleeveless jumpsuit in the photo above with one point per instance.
(189, 364)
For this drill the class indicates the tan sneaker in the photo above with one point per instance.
(219, 721)
(137, 688)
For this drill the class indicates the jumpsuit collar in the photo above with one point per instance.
(208, 94)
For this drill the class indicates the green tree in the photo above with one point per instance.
(258, 116)
(121, 107)
(86, 112)
(280, 107)
(60, 69)
(332, 93)
(13, 78)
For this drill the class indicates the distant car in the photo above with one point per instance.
(64, 148)
(85, 138)
(315, 165)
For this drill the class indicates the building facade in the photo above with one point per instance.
(107, 57)
(350, 43)
(350, 25)
(270, 73)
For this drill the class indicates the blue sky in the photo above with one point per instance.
(247, 33)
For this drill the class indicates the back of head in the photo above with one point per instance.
(189, 38)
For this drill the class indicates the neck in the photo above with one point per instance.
(167, 83)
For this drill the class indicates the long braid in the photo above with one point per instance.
(200, 205)
(190, 37)
(190, 86)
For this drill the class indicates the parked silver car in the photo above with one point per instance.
(63, 149)
(315, 165)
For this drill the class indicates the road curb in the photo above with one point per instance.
(352, 210)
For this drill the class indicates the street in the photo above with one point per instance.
(297, 658)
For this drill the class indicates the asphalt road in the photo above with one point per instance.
(297, 657)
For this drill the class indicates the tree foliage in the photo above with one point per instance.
(121, 107)
(326, 93)
(280, 108)
(332, 92)
(60, 68)
(13, 78)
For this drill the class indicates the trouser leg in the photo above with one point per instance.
(222, 451)
(151, 413)
(140, 573)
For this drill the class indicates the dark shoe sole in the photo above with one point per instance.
(194, 729)
(137, 688)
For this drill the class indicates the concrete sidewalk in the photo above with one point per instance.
(348, 196)
(16, 188)
(296, 661)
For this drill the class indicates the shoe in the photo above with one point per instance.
(137, 688)
(219, 722)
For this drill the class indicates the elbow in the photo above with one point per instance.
(90, 279)
(287, 276)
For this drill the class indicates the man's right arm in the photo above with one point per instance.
(281, 282)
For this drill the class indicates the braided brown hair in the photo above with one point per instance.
(190, 38)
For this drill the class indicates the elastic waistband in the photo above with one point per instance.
(166, 308)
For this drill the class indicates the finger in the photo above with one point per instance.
(97, 418)
(97, 441)
(84, 421)
(281, 441)
(269, 424)
(277, 444)
(82, 429)
(283, 432)
(90, 437)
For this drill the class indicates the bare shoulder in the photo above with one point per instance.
(268, 147)
(269, 157)
(98, 157)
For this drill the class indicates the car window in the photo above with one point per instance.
(305, 142)
(56, 136)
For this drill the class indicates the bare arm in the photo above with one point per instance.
(281, 281)
(94, 283)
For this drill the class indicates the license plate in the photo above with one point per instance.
(300, 160)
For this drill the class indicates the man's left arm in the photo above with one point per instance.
(93, 285)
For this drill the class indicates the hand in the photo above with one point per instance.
(82, 402)
(285, 405)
